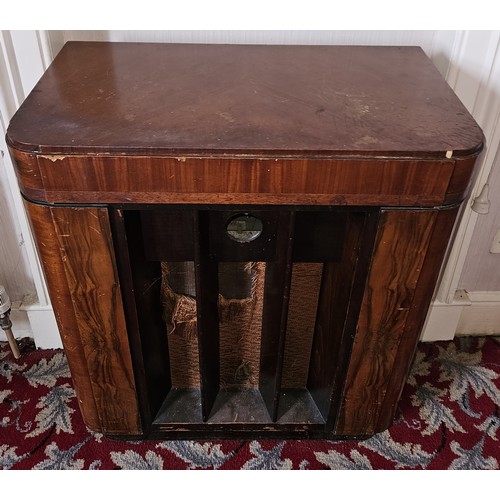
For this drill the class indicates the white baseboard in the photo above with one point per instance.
(36, 321)
(470, 313)
(483, 315)
(442, 319)
(20, 323)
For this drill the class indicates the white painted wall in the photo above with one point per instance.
(15, 274)
(23, 58)
(468, 297)
(436, 44)
(481, 271)
(468, 60)
(482, 268)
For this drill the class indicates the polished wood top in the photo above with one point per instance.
(204, 100)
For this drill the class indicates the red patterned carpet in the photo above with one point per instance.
(448, 418)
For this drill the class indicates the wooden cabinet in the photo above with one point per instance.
(241, 241)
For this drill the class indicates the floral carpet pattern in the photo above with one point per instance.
(448, 418)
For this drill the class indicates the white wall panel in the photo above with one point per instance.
(482, 268)
(15, 274)
(22, 61)
(436, 44)
(29, 63)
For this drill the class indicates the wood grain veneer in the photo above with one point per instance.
(229, 99)
(77, 253)
(103, 179)
(416, 317)
(142, 152)
(60, 296)
(400, 250)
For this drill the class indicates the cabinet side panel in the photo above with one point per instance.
(400, 249)
(417, 315)
(50, 255)
(84, 239)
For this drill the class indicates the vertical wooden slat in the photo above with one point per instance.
(327, 336)
(140, 282)
(207, 313)
(339, 304)
(400, 249)
(275, 313)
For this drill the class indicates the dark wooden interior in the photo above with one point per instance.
(241, 241)
(344, 248)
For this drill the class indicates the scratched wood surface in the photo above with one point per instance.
(400, 249)
(50, 256)
(174, 123)
(416, 315)
(81, 274)
(134, 125)
(219, 99)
